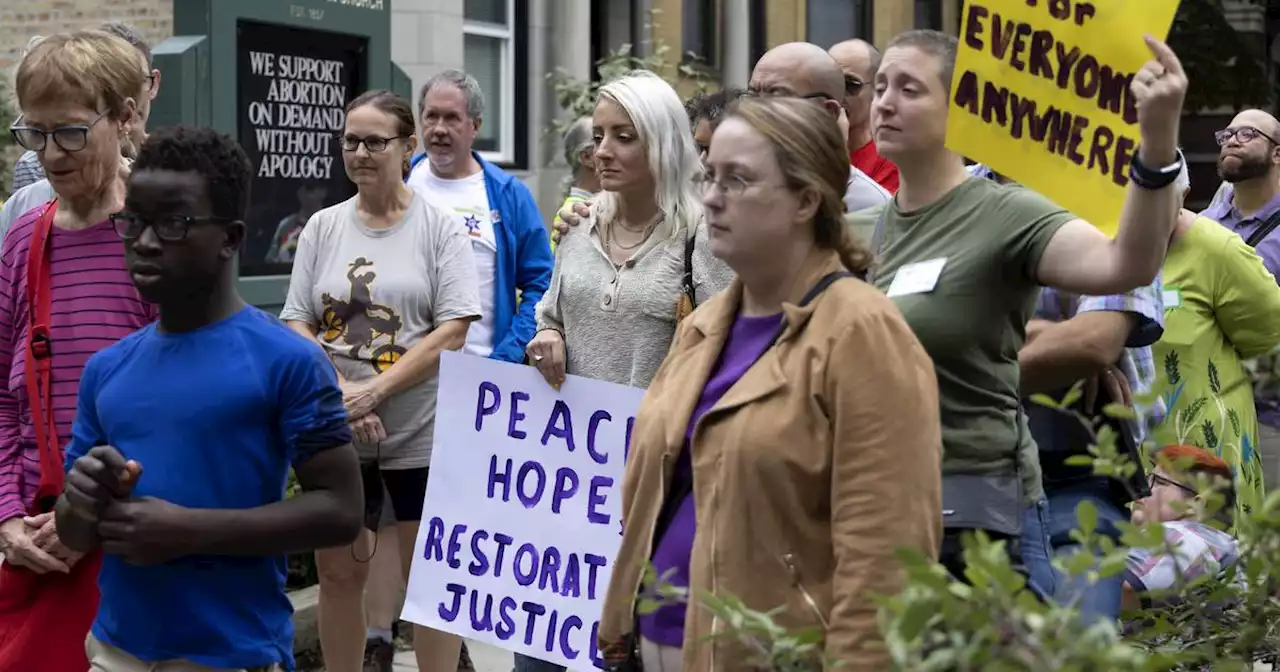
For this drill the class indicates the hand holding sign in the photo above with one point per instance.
(1158, 90)
(522, 517)
(1055, 95)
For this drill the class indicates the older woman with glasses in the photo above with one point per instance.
(64, 294)
(33, 189)
(384, 282)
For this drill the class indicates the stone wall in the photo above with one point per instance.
(20, 20)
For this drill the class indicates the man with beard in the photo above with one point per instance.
(1250, 163)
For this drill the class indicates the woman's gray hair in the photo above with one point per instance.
(31, 44)
(576, 139)
(464, 82)
(660, 120)
(129, 34)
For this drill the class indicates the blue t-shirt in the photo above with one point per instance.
(215, 417)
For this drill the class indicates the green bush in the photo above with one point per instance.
(994, 623)
(301, 566)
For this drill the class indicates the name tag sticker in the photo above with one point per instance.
(917, 278)
(1172, 298)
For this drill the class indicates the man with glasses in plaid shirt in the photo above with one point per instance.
(30, 188)
(1105, 341)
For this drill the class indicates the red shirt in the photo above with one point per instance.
(878, 168)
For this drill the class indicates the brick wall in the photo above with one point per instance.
(22, 19)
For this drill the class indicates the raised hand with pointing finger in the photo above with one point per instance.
(1159, 89)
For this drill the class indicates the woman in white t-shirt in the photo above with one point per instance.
(384, 283)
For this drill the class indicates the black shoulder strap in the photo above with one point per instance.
(818, 288)
(686, 281)
(681, 486)
(1265, 230)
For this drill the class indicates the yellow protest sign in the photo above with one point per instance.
(1041, 95)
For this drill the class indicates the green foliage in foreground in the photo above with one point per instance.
(994, 624)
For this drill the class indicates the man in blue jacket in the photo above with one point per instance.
(512, 251)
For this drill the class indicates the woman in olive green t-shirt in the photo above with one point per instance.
(964, 260)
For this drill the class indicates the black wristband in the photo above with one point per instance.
(1154, 179)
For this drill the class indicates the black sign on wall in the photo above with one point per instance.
(293, 86)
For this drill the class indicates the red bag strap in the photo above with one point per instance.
(39, 365)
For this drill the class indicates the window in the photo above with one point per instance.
(698, 32)
(759, 32)
(489, 55)
(831, 21)
(929, 14)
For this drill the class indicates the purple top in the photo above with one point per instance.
(747, 340)
(1269, 249)
(94, 304)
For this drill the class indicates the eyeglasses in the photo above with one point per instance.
(729, 185)
(69, 138)
(852, 85)
(170, 228)
(1155, 479)
(1243, 134)
(373, 143)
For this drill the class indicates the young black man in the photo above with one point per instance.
(187, 428)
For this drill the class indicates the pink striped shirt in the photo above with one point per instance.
(94, 304)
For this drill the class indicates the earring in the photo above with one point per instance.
(127, 148)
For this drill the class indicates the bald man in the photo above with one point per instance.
(859, 60)
(1250, 162)
(1249, 165)
(803, 70)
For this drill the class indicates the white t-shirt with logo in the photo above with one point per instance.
(467, 200)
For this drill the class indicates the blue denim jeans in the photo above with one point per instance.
(1097, 600)
(1042, 579)
(527, 664)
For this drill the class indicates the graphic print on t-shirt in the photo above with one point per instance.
(360, 322)
(472, 222)
(467, 199)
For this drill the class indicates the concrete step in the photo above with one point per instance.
(486, 658)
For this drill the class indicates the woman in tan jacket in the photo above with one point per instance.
(790, 441)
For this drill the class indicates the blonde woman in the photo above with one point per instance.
(790, 442)
(641, 261)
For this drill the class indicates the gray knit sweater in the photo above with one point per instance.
(618, 323)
